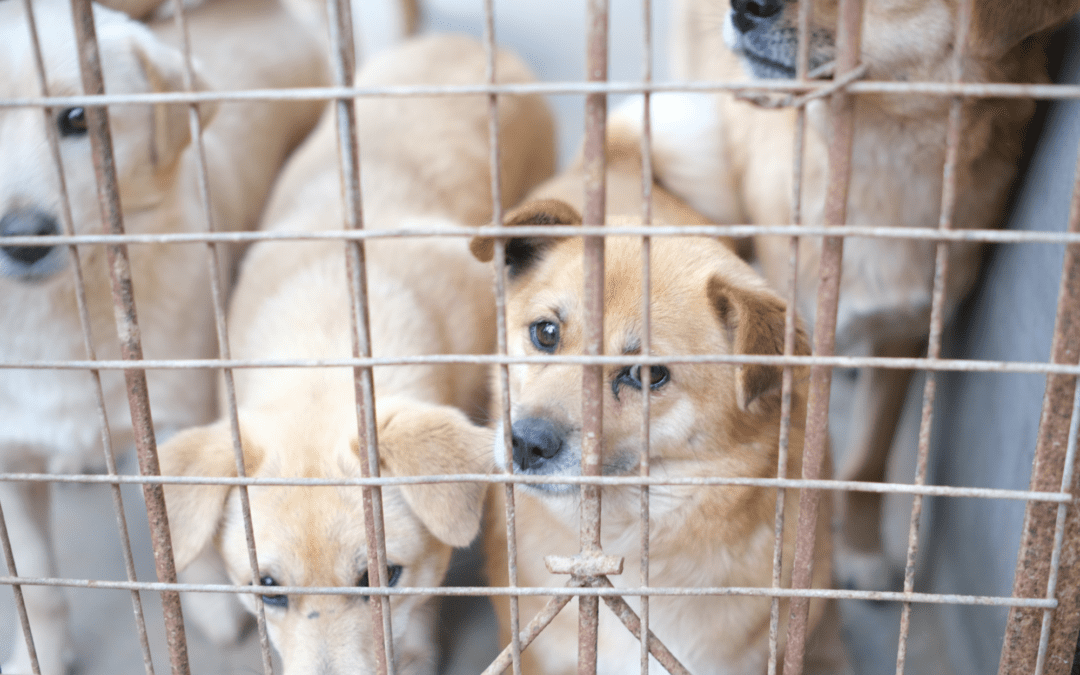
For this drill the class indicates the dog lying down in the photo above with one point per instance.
(706, 420)
(50, 419)
(424, 164)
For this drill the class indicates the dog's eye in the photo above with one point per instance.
(631, 375)
(545, 335)
(71, 122)
(393, 571)
(273, 600)
(658, 376)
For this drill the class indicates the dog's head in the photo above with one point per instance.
(315, 536)
(703, 299)
(147, 140)
(901, 39)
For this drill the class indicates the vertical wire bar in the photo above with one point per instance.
(494, 161)
(787, 382)
(842, 113)
(343, 65)
(20, 603)
(67, 222)
(217, 293)
(646, 316)
(1018, 649)
(1059, 534)
(937, 319)
(127, 325)
(592, 376)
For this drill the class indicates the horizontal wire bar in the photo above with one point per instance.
(490, 591)
(499, 478)
(703, 230)
(973, 90)
(957, 365)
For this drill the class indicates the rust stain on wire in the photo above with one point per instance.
(128, 332)
(67, 223)
(842, 111)
(1033, 562)
(592, 385)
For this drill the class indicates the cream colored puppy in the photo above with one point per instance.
(50, 417)
(706, 420)
(424, 164)
(733, 161)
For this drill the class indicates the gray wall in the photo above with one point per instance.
(986, 424)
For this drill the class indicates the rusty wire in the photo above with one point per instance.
(127, 326)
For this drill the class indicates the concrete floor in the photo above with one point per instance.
(550, 36)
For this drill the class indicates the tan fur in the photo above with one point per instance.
(424, 164)
(51, 417)
(741, 171)
(706, 420)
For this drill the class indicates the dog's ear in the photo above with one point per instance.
(417, 440)
(522, 252)
(755, 321)
(195, 511)
(1000, 25)
(163, 68)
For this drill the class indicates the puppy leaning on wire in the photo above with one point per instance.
(706, 420)
(733, 161)
(50, 419)
(424, 165)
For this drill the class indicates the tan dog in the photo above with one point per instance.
(425, 164)
(50, 417)
(706, 420)
(733, 161)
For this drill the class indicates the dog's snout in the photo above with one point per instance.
(535, 441)
(29, 223)
(749, 14)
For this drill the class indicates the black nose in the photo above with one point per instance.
(27, 223)
(750, 14)
(536, 440)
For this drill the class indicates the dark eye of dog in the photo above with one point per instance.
(273, 600)
(71, 122)
(631, 375)
(545, 335)
(393, 571)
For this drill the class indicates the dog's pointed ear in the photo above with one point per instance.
(417, 440)
(163, 68)
(1001, 25)
(522, 252)
(754, 318)
(195, 511)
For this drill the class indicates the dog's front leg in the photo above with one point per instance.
(26, 513)
(878, 403)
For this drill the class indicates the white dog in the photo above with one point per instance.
(50, 419)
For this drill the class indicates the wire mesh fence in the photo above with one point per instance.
(1042, 627)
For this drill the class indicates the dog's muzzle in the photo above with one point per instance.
(753, 31)
(537, 442)
(28, 261)
(749, 15)
(544, 448)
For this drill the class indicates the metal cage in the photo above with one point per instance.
(1043, 624)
